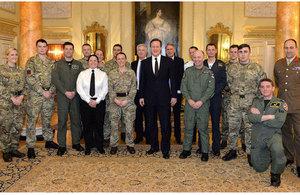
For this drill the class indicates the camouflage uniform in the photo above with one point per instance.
(84, 62)
(119, 82)
(243, 82)
(12, 84)
(109, 66)
(38, 78)
(197, 85)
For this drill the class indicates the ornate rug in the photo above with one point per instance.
(75, 172)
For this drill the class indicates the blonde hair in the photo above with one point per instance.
(9, 49)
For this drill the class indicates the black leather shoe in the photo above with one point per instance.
(204, 157)
(244, 147)
(7, 157)
(123, 137)
(78, 147)
(184, 154)
(106, 143)
(16, 153)
(230, 155)
(198, 151)
(275, 180)
(51, 144)
(298, 170)
(216, 152)
(87, 151)
(138, 140)
(166, 155)
(151, 151)
(101, 150)
(223, 144)
(131, 150)
(178, 141)
(31, 153)
(61, 151)
(289, 162)
(249, 160)
(113, 150)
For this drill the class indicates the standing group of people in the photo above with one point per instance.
(98, 96)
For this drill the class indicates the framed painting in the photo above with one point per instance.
(160, 20)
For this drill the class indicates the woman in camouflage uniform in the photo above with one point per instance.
(12, 109)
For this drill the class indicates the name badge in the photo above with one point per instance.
(75, 66)
(275, 104)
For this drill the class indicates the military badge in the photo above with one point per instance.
(285, 106)
(28, 71)
(75, 66)
(220, 64)
(275, 104)
(296, 68)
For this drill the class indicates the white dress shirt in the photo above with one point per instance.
(288, 61)
(153, 63)
(83, 85)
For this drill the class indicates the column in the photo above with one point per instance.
(287, 25)
(31, 29)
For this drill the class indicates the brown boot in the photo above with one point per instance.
(7, 157)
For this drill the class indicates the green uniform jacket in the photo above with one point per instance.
(275, 107)
(64, 76)
(198, 84)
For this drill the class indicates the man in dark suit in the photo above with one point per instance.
(155, 95)
(179, 64)
(140, 111)
(218, 68)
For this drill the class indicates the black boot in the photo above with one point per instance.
(230, 155)
(7, 157)
(184, 154)
(244, 147)
(31, 153)
(298, 170)
(223, 144)
(16, 153)
(204, 157)
(275, 180)
(51, 144)
(249, 160)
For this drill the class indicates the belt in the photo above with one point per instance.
(122, 94)
(46, 88)
(16, 93)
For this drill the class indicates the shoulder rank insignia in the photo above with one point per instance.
(275, 104)
(285, 106)
(28, 71)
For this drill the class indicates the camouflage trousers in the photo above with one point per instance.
(224, 133)
(35, 105)
(238, 114)
(11, 122)
(106, 126)
(128, 113)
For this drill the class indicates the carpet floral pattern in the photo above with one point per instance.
(75, 172)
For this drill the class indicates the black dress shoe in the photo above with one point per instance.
(249, 160)
(244, 147)
(223, 144)
(78, 147)
(289, 162)
(230, 155)
(101, 150)
(166, 155)
(184, 154)
(123, 137)
(61, 151)
(275, 180)
(16, 153)
(198, 151)
(151, 151)
(51, 144)
(298, 171)
(216, 152)
(7, 157)
(31, 153)
(178, 141)
(204, 157)
(113, 150)
(106, 143)
(138, 140)
(131, 150)
(87, 151)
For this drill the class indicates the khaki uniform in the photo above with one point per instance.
(287, 78)
(119, 82)
(197, 85)
(266, 139)
(38, 78)
(243, 82)
(84, 62)
(12, 84)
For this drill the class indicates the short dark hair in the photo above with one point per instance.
(118, 45)
(122, 54)
(267, 80)
(193, 47)
(211, 44)
(155, 39)
(93, 55)
(68, 43)
(86, 44)
(234, 46)
(243, 46)
(41, 41)
(291, 40)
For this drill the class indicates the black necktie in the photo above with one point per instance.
(92, 84)
(156, 66)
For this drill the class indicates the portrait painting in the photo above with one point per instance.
(159, 20)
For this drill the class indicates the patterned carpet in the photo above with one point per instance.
(76, 172)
